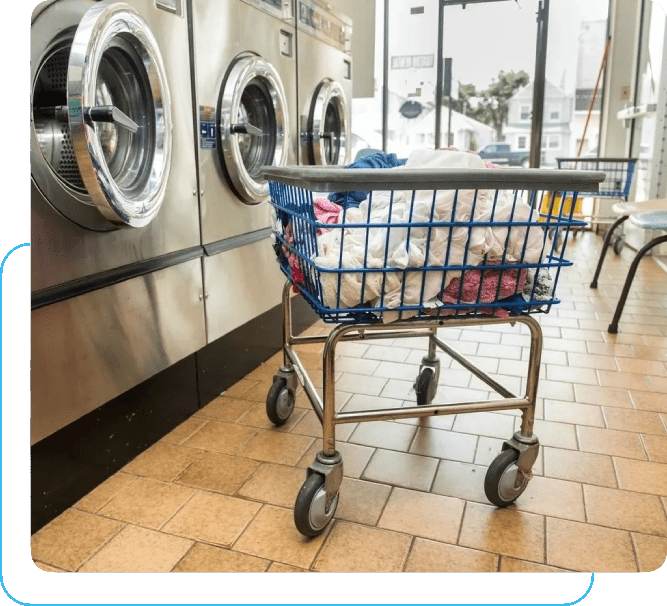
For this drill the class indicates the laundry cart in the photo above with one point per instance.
(426, 249)
(616, 185)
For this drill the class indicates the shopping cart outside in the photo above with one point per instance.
(497, 202)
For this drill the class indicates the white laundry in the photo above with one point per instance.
(372, 247)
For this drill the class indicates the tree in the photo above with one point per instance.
(491, 106)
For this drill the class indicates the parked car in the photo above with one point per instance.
(500, 153)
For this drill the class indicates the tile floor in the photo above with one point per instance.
(216, 494)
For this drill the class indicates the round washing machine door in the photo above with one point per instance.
(102, 120)
(328, 126)
(253, 126)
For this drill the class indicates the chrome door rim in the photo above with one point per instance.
(243, 72)
(99, 26)
(327, 93)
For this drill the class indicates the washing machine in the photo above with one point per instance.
(117, 292)
(244, 67)
(324, 75)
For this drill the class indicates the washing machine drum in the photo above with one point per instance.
(102, 121)
(253, 128)
(327, 137)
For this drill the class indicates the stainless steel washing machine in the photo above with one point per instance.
(245, 88)
(324, 74)
(117, 290)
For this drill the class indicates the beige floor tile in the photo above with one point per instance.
(424, 515)
(359, 366)
(309, 425)
(489, 424)
(386, 354)
(218, 473)
(137, 549)
(147, 502)
(399, 390)
(588, 548)
(401, 469)
(255, 416)
(47, 567)
(658, 384)
(651, 551)
(184, 430)
(627, 380)
(213, 518)
(258, 392)
(355, 548)
(642, 367)
(508, 564)
(363, 402)
(551, 433)
(551, 497)
(585, 376)
(570, 412)
(577, 466)
(354, 350)
(277, 567)
(221, 437)
(356, 383)
(555, 390)
(656, 448)
(607, 396)
(435, 422)
(275, 447)
(645, 400)
(451, 395)
(430, 556)
(611, 349)
(71, 538)
(361, 502)
(206, 558)
(461, 480)
(641, 476)
(274, 484)
(647, 353)
(162, 461)
(503, 531)
(226, 409)
(107, 490)
(355, 457)
(444, 444)
(564, 345)
(625, 510)
(610, 442)
(384, 434)
(239, 389)
(639, 421)
(273, 536)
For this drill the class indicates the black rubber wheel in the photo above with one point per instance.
(619, 243)
(499, 481)
(279, 402)
(424, 385)
(310, 515)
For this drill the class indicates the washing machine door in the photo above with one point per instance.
(328, 126)
(253, 125)
(109, 144)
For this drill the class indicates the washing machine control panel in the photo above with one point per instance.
(320, 22)
(281, 9)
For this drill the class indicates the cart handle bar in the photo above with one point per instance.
(316, 178)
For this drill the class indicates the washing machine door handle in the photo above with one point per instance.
(109, 113)
(245, 129)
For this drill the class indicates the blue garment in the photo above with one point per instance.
(377, 160)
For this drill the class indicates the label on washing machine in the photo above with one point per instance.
(207, 127)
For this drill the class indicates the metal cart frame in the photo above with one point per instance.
(510, 472)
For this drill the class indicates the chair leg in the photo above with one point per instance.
(605, 246)
(613, 327)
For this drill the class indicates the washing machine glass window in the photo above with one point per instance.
(102, 115)
(328, 125)
(252, 125)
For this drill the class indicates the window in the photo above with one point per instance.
(525, 112)
(554, 114)
(550, 141)
(521, 143)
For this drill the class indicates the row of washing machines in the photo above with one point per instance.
(150, 227)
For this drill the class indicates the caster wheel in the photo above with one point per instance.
(279, 402)
(310, 515)
(499, 483)
(425, 386)
(619, 243)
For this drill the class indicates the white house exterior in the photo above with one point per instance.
(556, 133)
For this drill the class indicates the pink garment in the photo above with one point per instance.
(325, 212)
(511, 282)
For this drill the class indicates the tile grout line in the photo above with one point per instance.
(103, 545)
